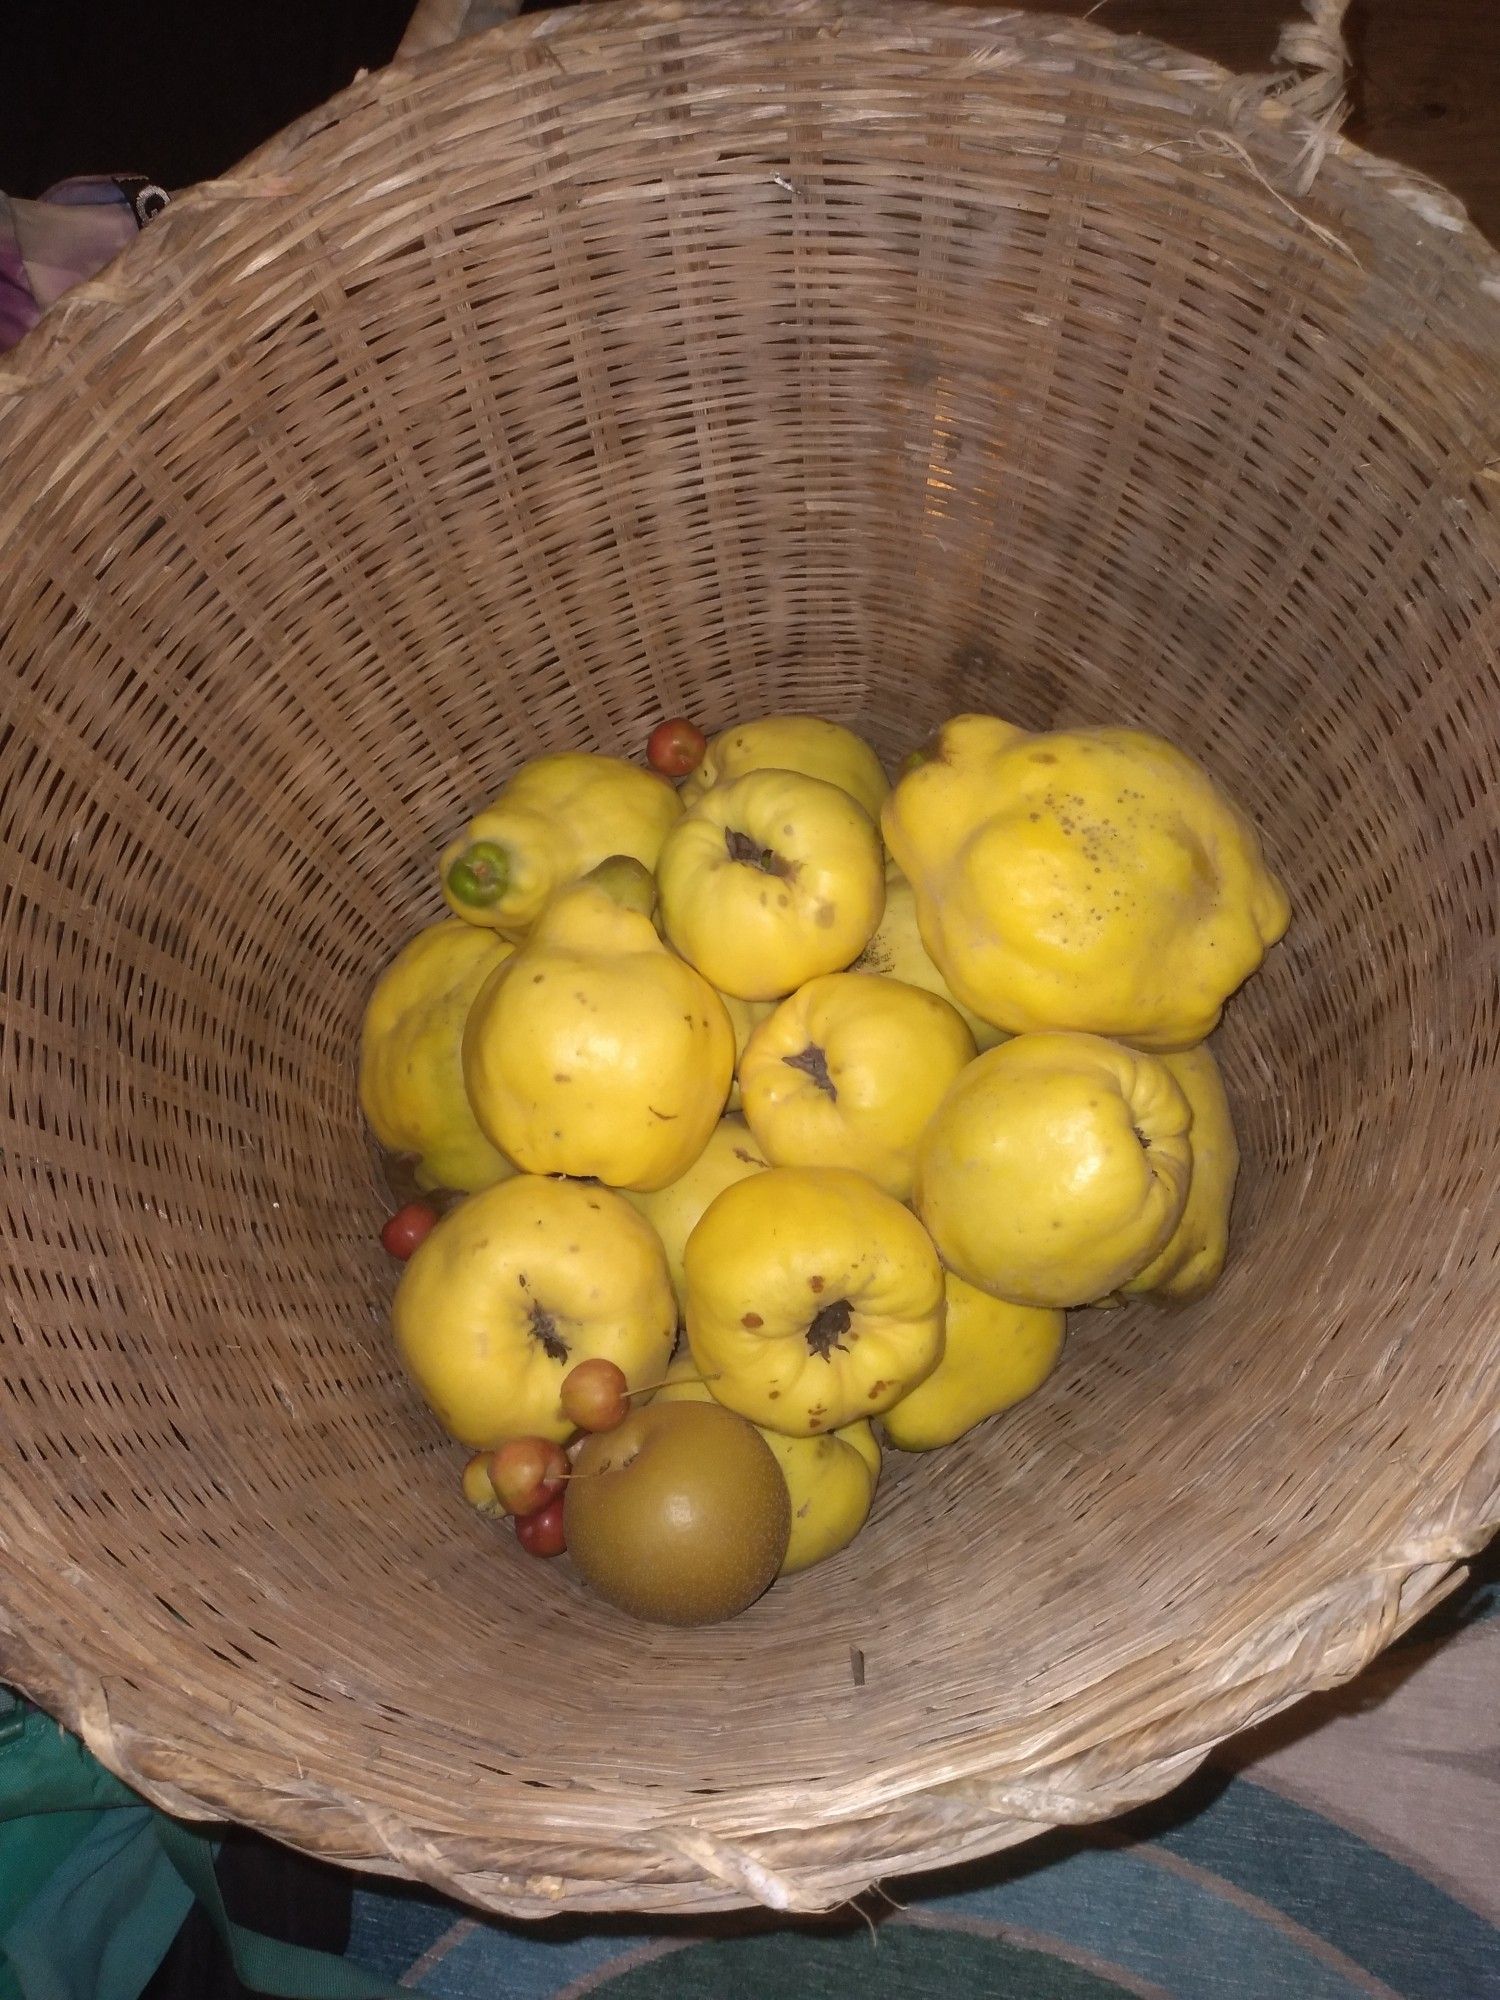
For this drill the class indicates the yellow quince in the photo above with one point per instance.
(551, 822)
(769, 880)
(846, 1073)
(514, 1288)
(1091, 879)
(896, 951)
(411, 1079)
(673, 1211)
(1194, 1255)
(830, 1479)
(1056, 1168)
(812, 1299)
(594, 1051)
(805, 743)
(995, 1354)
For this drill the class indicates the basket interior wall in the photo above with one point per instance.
(650, 403)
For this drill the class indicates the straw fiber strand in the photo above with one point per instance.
(636, 360)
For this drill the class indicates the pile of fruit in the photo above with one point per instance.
(862, 1086)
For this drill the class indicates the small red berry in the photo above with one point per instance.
(595, 1395)
(674, 748)
(405, 1229)
(541, 1533)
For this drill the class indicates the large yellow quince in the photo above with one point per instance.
(805, 743)
(1092, 879)
(1056, 1168)
(514, 1288)
(551, 822)
(995, 1354)
(846, 1073)
(594, 1051)
(831, 1479)
(812, 1299)
(411, 1079)
(769, 880)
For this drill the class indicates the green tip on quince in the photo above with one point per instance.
(925, 753)
(627, 882)
(480, 876)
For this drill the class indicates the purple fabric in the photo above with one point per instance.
(48, 246)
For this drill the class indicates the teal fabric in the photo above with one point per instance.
(88, 1904)
(291, 1971)
(27, 1868)
(100, 1925)
(95, 1884)
(45, 1770)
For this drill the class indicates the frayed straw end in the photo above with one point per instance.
(1311, 83)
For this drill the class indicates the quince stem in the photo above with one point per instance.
(813, 1063)
(743, 847)
(481, 875)
(828, 1328)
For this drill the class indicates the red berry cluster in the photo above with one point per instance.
(528, 1475)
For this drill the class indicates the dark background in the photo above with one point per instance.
(173, 90)
(177, 90)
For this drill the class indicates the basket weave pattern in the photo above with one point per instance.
(887, 361)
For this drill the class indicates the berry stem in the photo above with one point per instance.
(673, 1381)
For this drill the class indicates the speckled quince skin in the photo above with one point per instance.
(596, 1052)
(1089, 879)
(847, 1071)
(411, 1079)
(552, 821)
(1055, 1168)
(813, 1299)
(769, 880)
(513, 1289)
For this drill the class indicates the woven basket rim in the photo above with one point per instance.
(1250, 1673)
(1257, 117)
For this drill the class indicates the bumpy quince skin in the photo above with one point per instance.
(1194, 1255)
(769, 880)
(551, 822)
(1056, 1168)
(846, 1073)
(896, 951)
(1092, 879)
(813, 1299)
(594, 1051)
(994, 1355)
(411, 1080)
(830, 1479)
(514, 1288)
(805, 743)
(674, 1211)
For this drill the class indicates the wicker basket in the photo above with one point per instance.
(632, 360)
